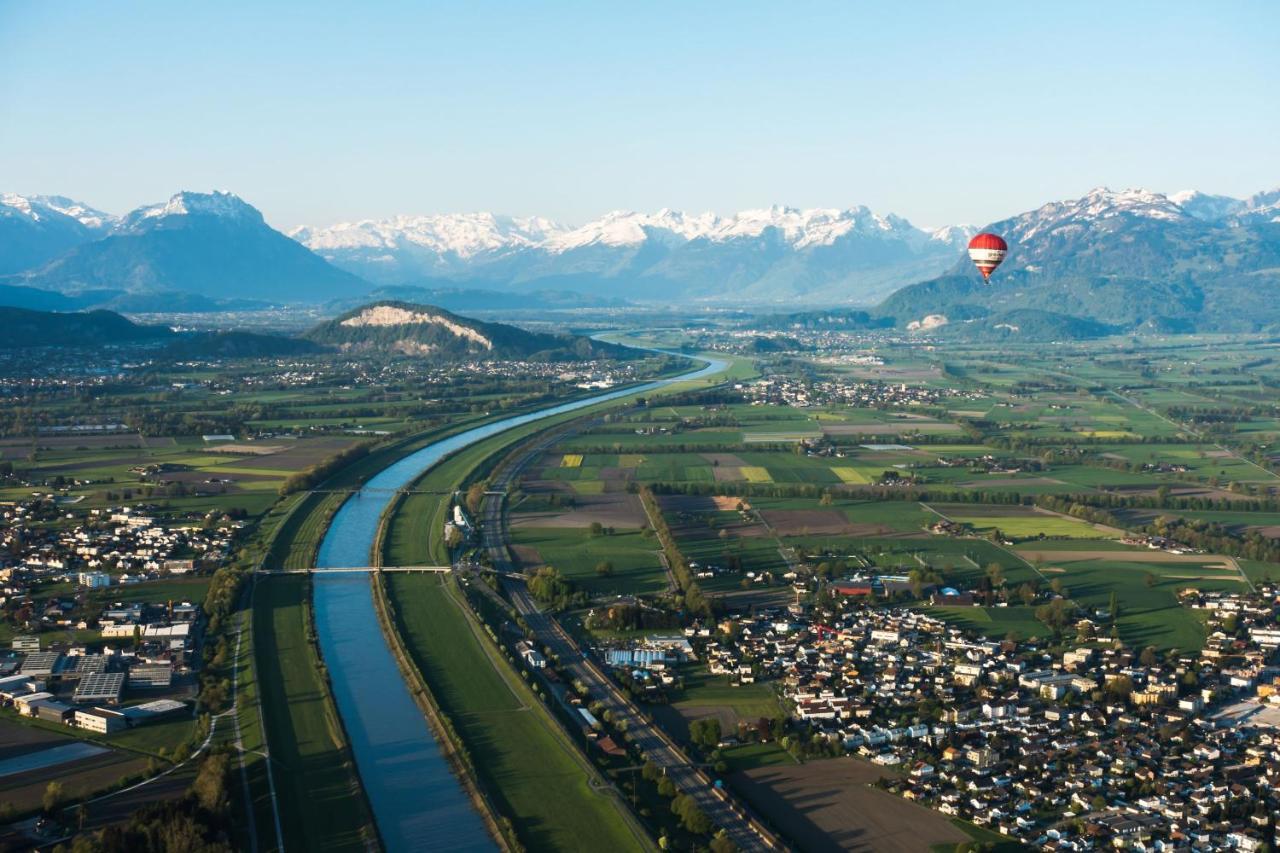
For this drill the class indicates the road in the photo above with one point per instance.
(717, 804)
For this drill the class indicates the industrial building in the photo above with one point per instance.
(100, 687)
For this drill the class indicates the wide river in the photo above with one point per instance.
(417, 802)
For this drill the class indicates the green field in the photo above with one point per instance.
(749, 756)
(1149, 615)
(177, 588)
(1031, 526)
(534, 772)
(703, 690)
(637, 568)
(994, 622)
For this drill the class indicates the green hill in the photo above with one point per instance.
(218, 345)
(424, 330)
(1026, 324)
(24, 328)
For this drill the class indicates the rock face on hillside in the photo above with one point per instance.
(424, 330)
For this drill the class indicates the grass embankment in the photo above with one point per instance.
(313, 768)
(252, 789)
(297, 539)
(450, 741)
(322, 806)
(521, 756)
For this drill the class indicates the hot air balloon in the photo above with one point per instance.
(987, 251)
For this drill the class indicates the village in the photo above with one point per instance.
(43, 544)
(82, 654)
(1064, 747)
(803, 393)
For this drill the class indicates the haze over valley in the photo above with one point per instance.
(639, 428)
(1118, 260)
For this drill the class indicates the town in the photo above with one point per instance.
(1064, 748)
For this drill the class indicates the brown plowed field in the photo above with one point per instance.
(795, 522)
(612, 509)
(830, 806)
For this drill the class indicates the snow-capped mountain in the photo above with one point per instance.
(770, 254)
(407, 247)
(1128, 258)
(36, 229)
(211, 244)
(37, 208)
(1259, 207)
(798, 228)
(182, 207)
(1094, 208)
(1206, 206)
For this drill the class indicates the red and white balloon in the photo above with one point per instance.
(987, 251)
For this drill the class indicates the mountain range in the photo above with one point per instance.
(773, 255)
(211, 245)
(1130, 260)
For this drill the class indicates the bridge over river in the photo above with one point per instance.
(417, 802)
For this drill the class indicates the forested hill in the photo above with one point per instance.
(24, 328)
(428, 331)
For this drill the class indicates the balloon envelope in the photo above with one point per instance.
(987, 250)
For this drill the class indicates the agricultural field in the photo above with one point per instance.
(831, 805)
(704, 694)
(634, 560)
(31, 756)
(764, 490)
(94, 471)
(1021, 523)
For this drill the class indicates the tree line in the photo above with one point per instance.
(313, 476)
(694, 600)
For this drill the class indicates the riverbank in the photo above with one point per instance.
(320, 798)
(555, 798)
(415, 797)
(446, 734)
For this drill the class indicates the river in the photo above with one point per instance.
(417, 802)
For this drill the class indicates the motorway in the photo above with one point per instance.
(717, 804)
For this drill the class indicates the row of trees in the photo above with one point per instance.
(198, 822)
(693, 599)
(323, 470)
(1204, 535)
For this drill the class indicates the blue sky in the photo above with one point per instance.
(940, 112)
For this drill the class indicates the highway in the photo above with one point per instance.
(718, 805)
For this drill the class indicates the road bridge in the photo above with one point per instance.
(318, 570)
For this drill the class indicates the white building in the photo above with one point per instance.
(94, 580)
